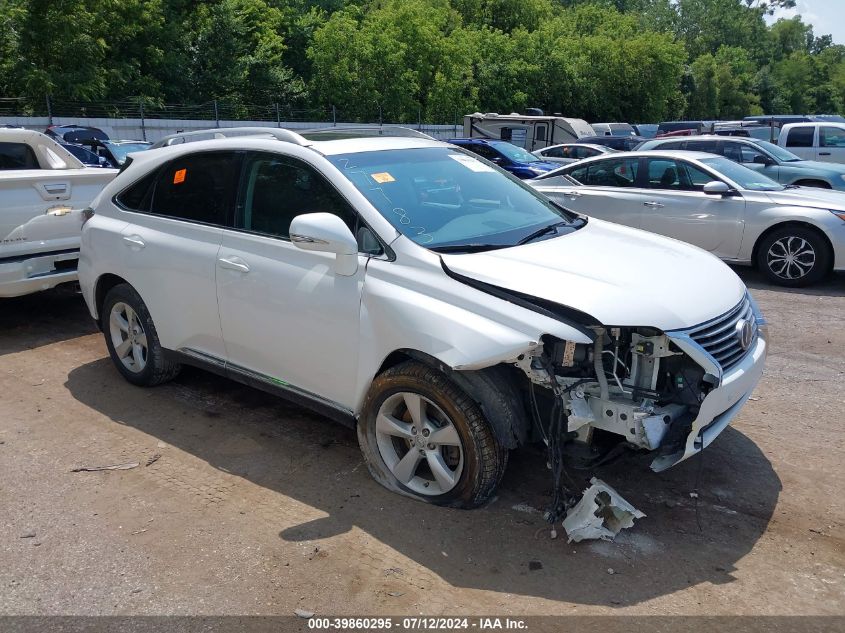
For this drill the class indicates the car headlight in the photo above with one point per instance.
(842, 176)
(838, 214)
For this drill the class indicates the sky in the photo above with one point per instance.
(825, 16)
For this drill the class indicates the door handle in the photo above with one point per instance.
(653, 205)
(134, 242)
(824, 153)
(234, 263)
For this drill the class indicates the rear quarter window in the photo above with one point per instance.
(17, 156)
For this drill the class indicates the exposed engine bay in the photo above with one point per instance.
(633, 387)
(634, 383)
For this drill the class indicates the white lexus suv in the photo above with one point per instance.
(419, 293)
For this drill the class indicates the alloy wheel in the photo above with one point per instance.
(419, 444)
(791, 257)
(128, 337)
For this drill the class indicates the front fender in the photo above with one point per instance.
(462, 327)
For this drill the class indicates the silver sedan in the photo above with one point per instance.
(794, 235)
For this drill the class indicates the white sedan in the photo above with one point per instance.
(794, 235)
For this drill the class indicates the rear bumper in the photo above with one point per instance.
(720, 406)
(25, 275)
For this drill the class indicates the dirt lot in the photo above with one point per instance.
(258, 507)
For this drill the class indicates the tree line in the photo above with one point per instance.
(428, 60)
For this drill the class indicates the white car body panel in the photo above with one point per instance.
(40, 215)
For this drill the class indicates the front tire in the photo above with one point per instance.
(132, 339)
(794, 256)
(424, 437)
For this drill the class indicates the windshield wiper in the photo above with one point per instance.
(467, 248)
(551, 228)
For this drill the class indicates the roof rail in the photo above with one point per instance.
(358, 131)
(226, 132)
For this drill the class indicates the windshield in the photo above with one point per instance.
(778, 152)
(515, 153)
(743, 176)
(120, 151)
(445, 199)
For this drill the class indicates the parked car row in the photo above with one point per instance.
(93, 146)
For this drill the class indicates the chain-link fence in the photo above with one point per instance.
(148, 120)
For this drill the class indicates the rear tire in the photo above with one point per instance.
(424, 437)
(132, 339)
(794, 256)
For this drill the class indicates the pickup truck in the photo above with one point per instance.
(815, 141)
(43, 192)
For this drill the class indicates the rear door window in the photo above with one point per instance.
(801, 136)
(17, 156)
(613, 172)
(197, 187)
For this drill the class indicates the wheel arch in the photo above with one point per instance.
(497, 390)
(813, 182)
(101, 288)
(784, 224)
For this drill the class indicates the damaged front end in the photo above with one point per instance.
(666, 392)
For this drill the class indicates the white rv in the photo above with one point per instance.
(529, 132)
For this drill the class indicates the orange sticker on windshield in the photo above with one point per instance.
(383, 177)
(179, 176)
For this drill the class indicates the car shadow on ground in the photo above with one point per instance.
(504, 547)
(831, 286)
(43, 318)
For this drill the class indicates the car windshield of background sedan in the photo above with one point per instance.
(449, 201)
(778, 152)
(516, 154)
(121, 150)
(744, 177)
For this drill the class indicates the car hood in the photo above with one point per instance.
(619, 275)
(541, 164)
(831, 168)
(810, 197)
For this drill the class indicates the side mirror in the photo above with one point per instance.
(327, 233)
(717, 188)
(763, 160)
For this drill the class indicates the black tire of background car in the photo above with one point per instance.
(819, 244)
(484, 458)
(158, 369)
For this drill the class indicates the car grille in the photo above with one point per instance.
(718, 337)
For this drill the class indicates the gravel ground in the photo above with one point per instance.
(254, 506)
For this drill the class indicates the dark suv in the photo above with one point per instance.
(508, 156)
